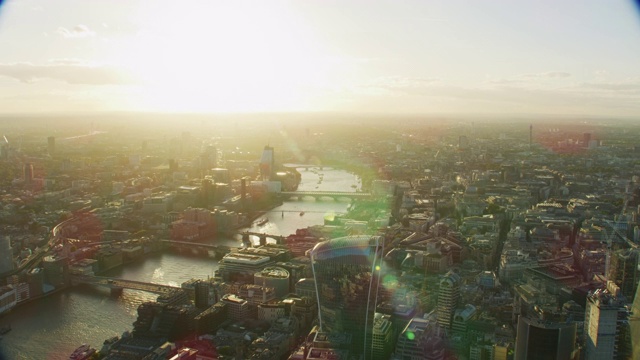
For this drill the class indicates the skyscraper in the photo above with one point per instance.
(347, 276)
(624, 271)
(28, 173)
(605, 323)
(421, 339)
(448, 298)
(51, 145)
(6, 254)
(267, 163)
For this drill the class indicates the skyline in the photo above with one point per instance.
(442, 57)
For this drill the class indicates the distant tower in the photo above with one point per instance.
(448, 298)
(605, 323)
(530, 136)
(586, 139)
(51, 145)
(28, 173)
(6, 255)
(208, 159)
(267, 162)
(545, 340)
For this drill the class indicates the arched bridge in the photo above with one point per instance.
(262, 236)
(326, 194)
(117, 285)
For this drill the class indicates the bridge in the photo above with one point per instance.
(326, 194)
(307, 166)
(217, 251)
(262, 236)
(116, 285)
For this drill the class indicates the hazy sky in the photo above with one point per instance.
(414, 56)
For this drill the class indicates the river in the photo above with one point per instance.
(52, 327)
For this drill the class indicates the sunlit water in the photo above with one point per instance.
(53, 327)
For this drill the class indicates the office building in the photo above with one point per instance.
(51, 145)
(448, 298)
(273, 277)
(27, 171)
(267, 163)
(347, 272)
(6, 255)
(237, 308)
(542, 340)
(56, 270)
(242, 267)
(35, 279)
(421, 339)
(605, 324)
(381, 337)
(623, 271)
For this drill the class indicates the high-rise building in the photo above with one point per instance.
(56, 270)
(27, 170)
(634, 324)
(421, 339)
(448, 298)
(381, 337)
(51, 145)
(267, 163)
(605, 324)
(541, 340)
(6, 255)
(347, 276)
(623, 271)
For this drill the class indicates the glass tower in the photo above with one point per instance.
(347, 279)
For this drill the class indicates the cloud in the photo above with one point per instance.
(71, 71)
(631, 86)
(401, 82)
(545, 75)
(530, 93)
(78, 31)
(555, 74)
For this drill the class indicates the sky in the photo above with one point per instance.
(542, 57)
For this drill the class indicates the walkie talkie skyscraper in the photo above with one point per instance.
(347, 276)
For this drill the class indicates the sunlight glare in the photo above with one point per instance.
(228, 57)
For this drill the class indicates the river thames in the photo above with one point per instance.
(51, 328)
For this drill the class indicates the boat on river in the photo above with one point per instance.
(83, 352)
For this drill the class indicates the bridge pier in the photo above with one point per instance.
(245, 240)
(116, 291)
(263, 240)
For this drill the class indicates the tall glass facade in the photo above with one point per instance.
(347, 278)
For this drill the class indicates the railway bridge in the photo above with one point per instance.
(326, 194)
(117, 285)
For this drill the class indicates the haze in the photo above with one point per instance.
(436, 57)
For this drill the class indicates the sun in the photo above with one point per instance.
(223, 57)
